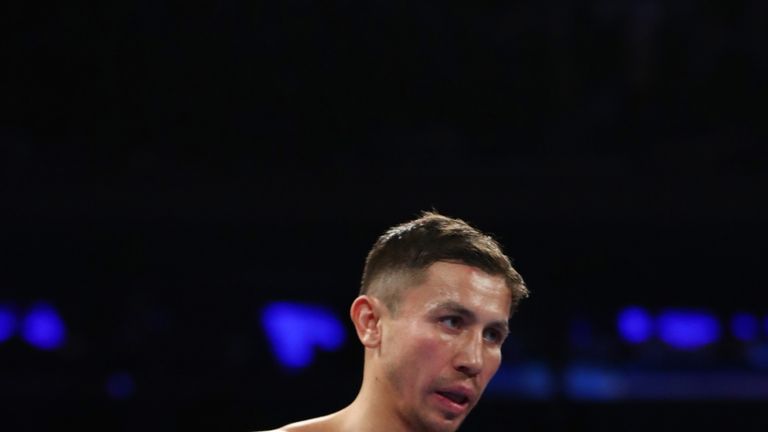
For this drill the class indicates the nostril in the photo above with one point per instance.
(469, 370)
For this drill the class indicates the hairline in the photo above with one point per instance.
(417, 275)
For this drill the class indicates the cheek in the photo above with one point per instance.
(413, 361)
(493, 361)
(422, 344)
(420, 350)
(430, 350)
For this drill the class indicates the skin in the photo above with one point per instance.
(445, 336)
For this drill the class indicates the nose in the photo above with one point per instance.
(469, 356)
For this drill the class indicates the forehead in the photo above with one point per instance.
(468, 286)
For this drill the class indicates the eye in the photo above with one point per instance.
(493, 336)
(453, 322)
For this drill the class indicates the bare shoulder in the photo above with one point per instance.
(320, 424)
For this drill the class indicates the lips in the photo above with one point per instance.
(456, 399)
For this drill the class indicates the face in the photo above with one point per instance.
(443, 345)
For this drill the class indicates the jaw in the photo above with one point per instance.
(443, 424)
(437, 417)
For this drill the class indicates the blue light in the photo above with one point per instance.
(120, 385)
(295, 329)
(592, 383)
(758, 355)
(530, 381)
(688, 330)
(7, 323)
(43, 328)
(744, 326)
(635, 324)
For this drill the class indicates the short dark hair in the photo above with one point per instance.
(410, 248)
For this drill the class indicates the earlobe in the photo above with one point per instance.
(365, 314)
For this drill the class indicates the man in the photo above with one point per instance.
(432, 315)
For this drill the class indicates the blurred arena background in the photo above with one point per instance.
(189, 192)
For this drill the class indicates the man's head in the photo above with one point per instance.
(433, 312)
(401, 256)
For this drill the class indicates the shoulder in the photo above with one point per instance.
(320, 424)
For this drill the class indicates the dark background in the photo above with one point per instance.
(169, 169)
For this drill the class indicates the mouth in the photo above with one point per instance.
(455, 402)
(457, 398)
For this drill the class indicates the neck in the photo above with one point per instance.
(370, 411)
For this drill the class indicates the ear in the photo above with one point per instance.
(366, 316)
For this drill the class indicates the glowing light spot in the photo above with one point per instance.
(294, 330)
(688, 330)
(635, 324)
(7, 323)
(43, 328)
(534, 380)
(744, 326)
(592, 383)
(120, 385)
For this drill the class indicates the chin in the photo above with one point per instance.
(446, 427)
(445, 424)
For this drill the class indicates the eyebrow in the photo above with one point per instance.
(459, 309)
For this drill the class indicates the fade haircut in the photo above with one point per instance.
(400, 257)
